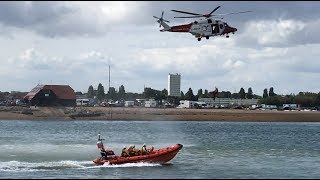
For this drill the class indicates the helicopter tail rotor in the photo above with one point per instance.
(160, 20)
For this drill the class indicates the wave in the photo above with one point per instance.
(140, 164)
(43, 166)
(17, 166)
(47, 152)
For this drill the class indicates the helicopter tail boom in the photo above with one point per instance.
(162, 23)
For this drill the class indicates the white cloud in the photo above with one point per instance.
(272, 32)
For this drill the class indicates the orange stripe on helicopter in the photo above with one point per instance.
(181, 28)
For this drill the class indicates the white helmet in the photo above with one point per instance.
(144, 144)
(124, 147)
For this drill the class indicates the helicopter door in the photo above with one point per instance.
(215, 28)
(221, 28)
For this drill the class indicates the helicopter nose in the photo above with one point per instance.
(235, 29)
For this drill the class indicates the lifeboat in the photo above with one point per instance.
(160, 156)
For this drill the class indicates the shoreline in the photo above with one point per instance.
(160, 114)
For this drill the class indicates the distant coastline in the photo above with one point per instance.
(157, 114)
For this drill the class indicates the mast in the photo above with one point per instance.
(110, 110)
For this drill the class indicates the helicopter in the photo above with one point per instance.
(204, 27)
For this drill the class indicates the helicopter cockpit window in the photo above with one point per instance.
(209, 21)
(221, 26)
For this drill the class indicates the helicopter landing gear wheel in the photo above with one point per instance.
(227, 36)
(199, 39)
(207, 37)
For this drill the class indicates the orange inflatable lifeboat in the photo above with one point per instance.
(160, 156)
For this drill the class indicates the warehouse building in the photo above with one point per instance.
(51, 95)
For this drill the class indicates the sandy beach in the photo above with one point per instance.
(150, 114)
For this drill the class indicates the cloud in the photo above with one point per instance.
(56, 19)
(270, 32)
(279, 33)
(29, 59)
(85, 18)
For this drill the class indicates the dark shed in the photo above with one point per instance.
(51, 95)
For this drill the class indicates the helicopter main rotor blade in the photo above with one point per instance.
(156, 17)
(186, 12)
(231, 13)
(214, 10)
(190, 16)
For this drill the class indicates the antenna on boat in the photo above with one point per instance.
(99, 139)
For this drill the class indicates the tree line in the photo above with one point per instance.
(305, 99)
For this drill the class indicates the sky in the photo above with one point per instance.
(74, 43)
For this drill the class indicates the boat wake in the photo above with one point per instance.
(43, 166)
(140, 164)
(16, 166)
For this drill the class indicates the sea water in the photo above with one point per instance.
(65, 149)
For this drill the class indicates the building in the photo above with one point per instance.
(151, 103)
(51, 95)
(128, 103)
(226, 102)
(83, 102)
(174, 83)
(187, 104)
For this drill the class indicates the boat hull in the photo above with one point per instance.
(160, 156)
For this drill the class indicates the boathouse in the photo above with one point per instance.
(51, 95)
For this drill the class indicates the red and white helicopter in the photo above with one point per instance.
(204, 27)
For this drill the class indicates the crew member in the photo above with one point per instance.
(124, 152)
(131, 152)
(151, 149)
(104, 152)
(144, 149)
(135, 150)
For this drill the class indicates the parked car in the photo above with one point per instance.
(2, 103)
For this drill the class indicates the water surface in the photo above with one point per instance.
(65, 149)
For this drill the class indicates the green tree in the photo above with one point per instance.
(265, 93)
(234, 95)
(271, 93)
(100, 92)
(90, 92)
(189, 95)
(224, 94)
(206, 94)
(200, 94)
(250, 94)
(182, 95)
(149, 93)
(317, 100)
(242, 93)
(121, 92)
(112, 93)
(164, 93)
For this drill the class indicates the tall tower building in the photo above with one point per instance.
(174, 83)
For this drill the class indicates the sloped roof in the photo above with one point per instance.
(61, 91)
